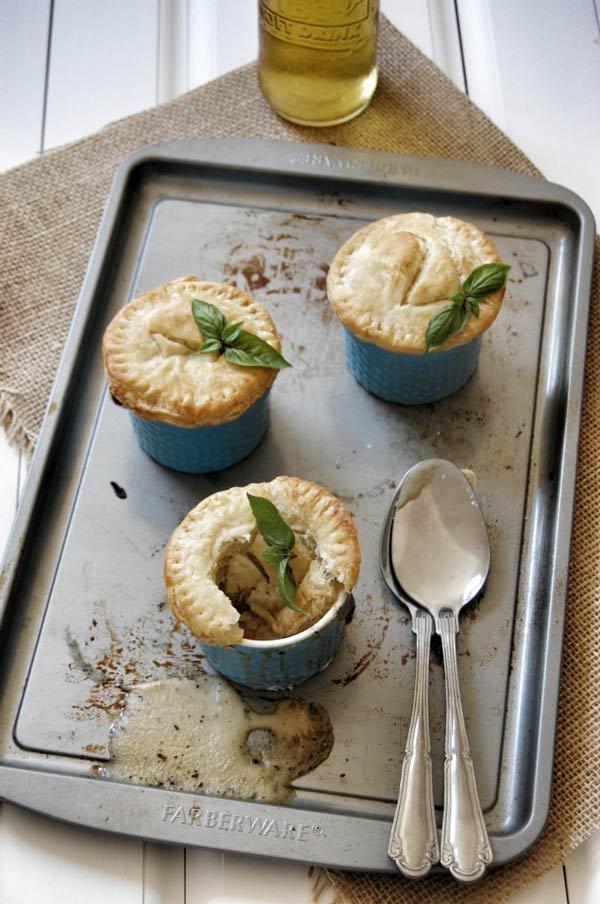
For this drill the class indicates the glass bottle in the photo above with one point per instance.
(317, 62)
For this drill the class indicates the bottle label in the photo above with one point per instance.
(336, 25)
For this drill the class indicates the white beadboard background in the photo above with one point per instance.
(67, 67)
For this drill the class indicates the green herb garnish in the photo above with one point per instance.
(234, 343)
(280, 540)
(452, 318)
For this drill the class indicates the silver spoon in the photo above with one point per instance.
(441, 557)
(414, 837)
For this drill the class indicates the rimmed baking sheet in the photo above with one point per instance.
(85, 612)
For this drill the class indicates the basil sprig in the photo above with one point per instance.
(234, 343)
(451, 319)
(280, 540)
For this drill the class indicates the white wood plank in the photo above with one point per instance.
(223, 34)
(445, 39)
(202, 37)
(237, 34)
(41, 859)
(413, 20)
(164, 874)
(9, 481)
(479, 43)
(550, 889)
(24, 27)
(103, 65)
(173, 76)
(583, 872)
(535, 69)
(216, 878)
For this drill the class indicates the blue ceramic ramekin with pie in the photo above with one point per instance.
(410, 379)
(278, 665)
(194, 362)
(223, 573)
(201, 450)
(415, 293)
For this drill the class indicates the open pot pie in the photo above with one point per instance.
(220, 586)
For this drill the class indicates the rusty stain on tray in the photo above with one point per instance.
(373, 644)
(112, 662)
(276, 262)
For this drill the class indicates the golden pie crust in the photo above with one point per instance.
(224, 522)
(391, 277)
(151, 361)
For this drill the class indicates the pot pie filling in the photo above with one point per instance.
(391, 277)
(221, 587)
(251, 585)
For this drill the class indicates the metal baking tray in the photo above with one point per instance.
(83, 605)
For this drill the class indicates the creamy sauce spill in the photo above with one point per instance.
(201, 736)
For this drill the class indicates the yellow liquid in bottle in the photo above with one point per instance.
(318, 58)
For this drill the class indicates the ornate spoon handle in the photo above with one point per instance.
(414, 838)
(466, 848)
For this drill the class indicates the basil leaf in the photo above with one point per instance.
(231, 332)
(241, 347)
(451, 319)
(447, 323)
(273, 555)
(287, 586)
(249, 350)
(473, 306)
(485, 279)
(280, 538)
(273, 529)
(210, 345)
(209, 319)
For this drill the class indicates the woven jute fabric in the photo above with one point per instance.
(49, 213)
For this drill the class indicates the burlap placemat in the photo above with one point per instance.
(49, 213)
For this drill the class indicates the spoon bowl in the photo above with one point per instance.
(439, 547)
(385, 557)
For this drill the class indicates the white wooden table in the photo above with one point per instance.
(67, 67)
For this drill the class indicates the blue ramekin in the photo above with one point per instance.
(277, 665)
(200, 450)
(410, 379)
